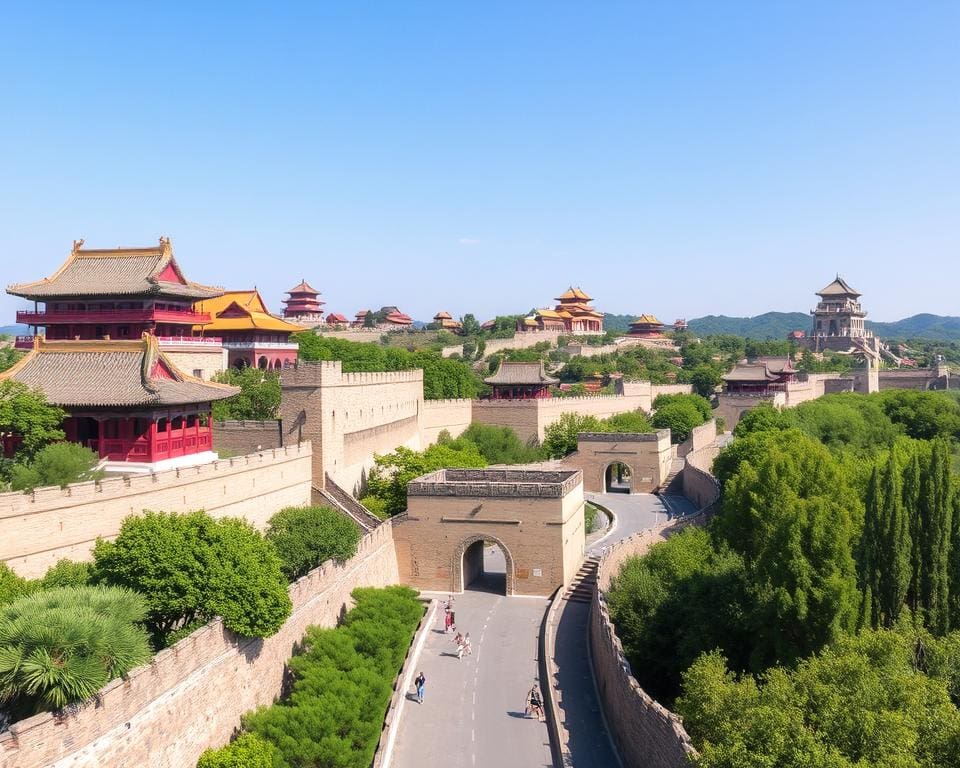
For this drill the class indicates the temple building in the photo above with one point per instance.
(680, 325)
(393, 319)
(839, 322)
(760, 377)
(125, 400)
(335, 319)
(303, 305)
(520, 381)
(572, 314)
(445, 322)
(252, 336)
(113, 294)
(646, 327)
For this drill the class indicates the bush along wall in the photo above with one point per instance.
(342, 684)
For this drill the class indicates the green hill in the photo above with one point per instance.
(776, 325)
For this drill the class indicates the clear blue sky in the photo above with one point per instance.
(678, 158)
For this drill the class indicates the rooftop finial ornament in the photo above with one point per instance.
(77, 245)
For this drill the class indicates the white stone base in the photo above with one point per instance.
(144, 468)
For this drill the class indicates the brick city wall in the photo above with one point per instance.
(191, 696)
(451, 415)
(239, 437)
(644, 731)
(41, 527)
(699, 485)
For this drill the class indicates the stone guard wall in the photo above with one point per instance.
(42, 527)
(451, 415)
(240, 437)
(191, 696)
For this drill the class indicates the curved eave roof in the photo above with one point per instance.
(76, 374)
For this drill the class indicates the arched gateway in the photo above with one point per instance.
(535, 517)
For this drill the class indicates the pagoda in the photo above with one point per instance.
(303, 305)
(252, 336)
(646, 327)
(445, 322)
(839, 322)
(761, 377)
(520, 381)
(572, 314)
(125, 400)
(113, 294)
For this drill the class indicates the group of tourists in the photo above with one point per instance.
(534, 701)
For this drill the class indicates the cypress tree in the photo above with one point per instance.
(936, 520)
(895, 552)
(871, 550)
(911, 508)
(955, 559)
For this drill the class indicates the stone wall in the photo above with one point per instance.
(191, 358)
(731, 407)
(191, 696)
(240, 437)
(350, 416)
(645, 732)
(41, 527)
(454, 416)
(921, 378)
(699, 485)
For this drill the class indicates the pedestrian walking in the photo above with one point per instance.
(420, 682)
(460, 649)
(466, 644)
(534, 703)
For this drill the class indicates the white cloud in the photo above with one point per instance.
(468, 241)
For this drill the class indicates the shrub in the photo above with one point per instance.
(247, 751)
(304, 537)
(258, 398)
(11, 585)
(497, 445)
(67, 573)
(56, 464)
(191, 568)
(680, 414)
(343, 680)
(61, 646)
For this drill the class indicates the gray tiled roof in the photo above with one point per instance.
(750, 373)
(110, 373)
(121, 271)
(520, 373)
(838, 287)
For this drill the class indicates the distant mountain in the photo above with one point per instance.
(617, 322)
(14, 330)
(776, 325)
(770, 325)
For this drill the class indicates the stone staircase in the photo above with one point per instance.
(581, 588)
(343, 501)
(673, 483)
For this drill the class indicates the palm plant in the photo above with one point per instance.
(60, 646)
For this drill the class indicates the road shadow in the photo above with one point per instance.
(521, 715)
(412, 697)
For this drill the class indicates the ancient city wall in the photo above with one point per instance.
(648, 457)
(699, 485)
(42, 527)
(700, 437)
(454, 416)
(645, 732)
(350, 416)
(922, 378)
(239, 437)
(731, 406)
(191, 696)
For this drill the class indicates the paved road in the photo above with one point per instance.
(580, 710)
(472, 714)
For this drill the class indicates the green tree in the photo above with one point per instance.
(936, 510)
(67, 573)
(923, 415)
(469, 325)
(248, 750)
(56, 464)
(680, 414)
(305, 537)
(896, 549)
(258, 399)
(705, 379)
(631, 421)
(8, 357)
(497, 445)
(391, 473)
(560, 438)
(26, 412)
(61, 646)
(190, 568)
(12, 586)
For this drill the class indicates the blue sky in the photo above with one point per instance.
(679, 158)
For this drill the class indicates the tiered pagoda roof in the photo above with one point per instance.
(304, 288)
(838, 289)
(76, 374)
(573, 294)
(116, 272)
(335, 318)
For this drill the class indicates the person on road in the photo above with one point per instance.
(466, 644)
(420, 682)
(534, 703)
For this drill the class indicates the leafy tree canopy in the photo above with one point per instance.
(56, 464)
(258, 399)
(497, 445)
(190, 567)
(680, 414)
(26, 413)
(388, 479)
(305, 537)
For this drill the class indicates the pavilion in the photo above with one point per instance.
(303, 305)
(520, 381)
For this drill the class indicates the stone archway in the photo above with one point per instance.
(469, 548)
(617, 477)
